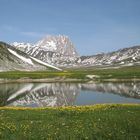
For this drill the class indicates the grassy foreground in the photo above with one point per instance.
(102, 122)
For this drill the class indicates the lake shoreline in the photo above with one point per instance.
(76, 107)
(67, 80)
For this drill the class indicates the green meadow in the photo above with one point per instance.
(98, 122)
(109, 73)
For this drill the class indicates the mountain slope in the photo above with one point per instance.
(126, 56)
(56, 50)
(13, 59)
(60, 51)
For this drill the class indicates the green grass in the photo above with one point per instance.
(121, 73)
(99, 122)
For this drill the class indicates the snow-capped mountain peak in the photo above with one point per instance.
(55, 50)
(60, 51)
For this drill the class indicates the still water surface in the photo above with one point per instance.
(67, 94)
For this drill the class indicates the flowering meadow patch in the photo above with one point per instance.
(106, 121)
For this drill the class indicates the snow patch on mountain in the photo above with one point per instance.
(27, 60)
(13, 59)
(43, 63)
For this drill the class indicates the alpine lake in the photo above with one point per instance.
(68, 94)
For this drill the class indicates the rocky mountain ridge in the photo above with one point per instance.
(126, 56)
(14, 59)
(55, 50)
(60, 51)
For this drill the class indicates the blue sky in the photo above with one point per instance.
(94, 26)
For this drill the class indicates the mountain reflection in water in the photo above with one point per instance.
(60, 94)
